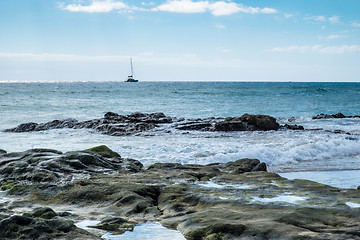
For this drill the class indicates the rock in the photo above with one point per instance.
(104, 151)
(234, 200)
(293, 127)
(245, 165)
(248, 122)
(42, 212)
(231, 124)
(194, 126)
(2, 151)
(122, 125)
(46, 166)
(24, 127)
(26, 227)
(116, 225)
(326, 116)
(261, 122)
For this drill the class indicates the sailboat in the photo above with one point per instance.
(131, 77)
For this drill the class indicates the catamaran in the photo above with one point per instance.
(131, 77)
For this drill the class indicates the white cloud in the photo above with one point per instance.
(334, 19)
(316, 18)
(184, 6)
(224, 8)
(96, 6)
(355, 24)
(318, 49)
(323, 19)
(335, 36)
(219, 8)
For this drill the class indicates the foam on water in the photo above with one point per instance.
(282, 150)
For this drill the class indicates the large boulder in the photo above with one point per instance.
(30, 226)
(248, 122)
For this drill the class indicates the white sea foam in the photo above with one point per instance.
(282, 151)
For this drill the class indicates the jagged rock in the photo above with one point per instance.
(245, 165)
(104, 151)
(293, 127)
(47, 165)
(235, 200)
(115, 224)
(32, 227)
(121, 125)
(325, 116)
(248, 122)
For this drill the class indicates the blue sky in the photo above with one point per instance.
(250, 40)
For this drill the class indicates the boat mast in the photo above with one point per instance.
(132, 70)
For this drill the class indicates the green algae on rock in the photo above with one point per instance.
(104, 151)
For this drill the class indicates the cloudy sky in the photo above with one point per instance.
(246, 40)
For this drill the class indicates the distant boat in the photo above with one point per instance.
(131, 77)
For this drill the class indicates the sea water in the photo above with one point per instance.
(320, 148)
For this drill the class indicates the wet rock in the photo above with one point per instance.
(135, 123)
(293, 127)
(104, 151)
(42, 212)
(112, 124)
(51, 166)
(260, 122)
(116, 225)
(28, 227)
(2, 151)
(248, 122)
(245, 165)
(326, 116)
(234, 200)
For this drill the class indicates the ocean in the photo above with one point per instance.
(327, 151)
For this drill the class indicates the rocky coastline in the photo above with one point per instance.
(121, 125)
(45, 192)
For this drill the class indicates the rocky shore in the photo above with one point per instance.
(44, 192)
(122, 125)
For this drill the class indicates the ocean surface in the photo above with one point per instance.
(321, 148)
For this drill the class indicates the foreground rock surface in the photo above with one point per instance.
(121, 125)
(234, 200)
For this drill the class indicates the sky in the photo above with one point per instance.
(177, 40)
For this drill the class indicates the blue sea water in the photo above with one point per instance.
(283, 151)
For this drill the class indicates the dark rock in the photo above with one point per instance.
(248, 122)
(42, 212)
(46, 165)
(115, 224)
(2, 151)
(24, 127)
(233, 124)
(326, 116)
(27, 227)
(293, 127)
(245, 165)
(121, 125)
(261, 122)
